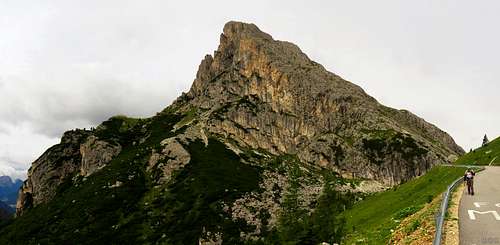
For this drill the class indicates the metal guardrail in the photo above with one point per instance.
(442, 211)
(444, 207)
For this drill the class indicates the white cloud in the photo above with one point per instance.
(20, 147)
(6, 170)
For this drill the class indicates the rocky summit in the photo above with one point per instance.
(266, 147)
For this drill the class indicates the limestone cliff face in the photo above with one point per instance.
(267, 94)
(78, 152)
(95, 154)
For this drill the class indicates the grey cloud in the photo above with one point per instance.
(51, 111)
(68, 64)
(12, 172)
(11, 168)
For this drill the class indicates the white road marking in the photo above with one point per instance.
(472, 214)
(478, 204)
(492, 161)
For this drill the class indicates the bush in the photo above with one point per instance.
(405, 212)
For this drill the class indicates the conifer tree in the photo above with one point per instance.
(485, 140)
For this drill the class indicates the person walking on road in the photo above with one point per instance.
(469, 181)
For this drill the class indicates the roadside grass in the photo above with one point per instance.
(451, 225)
(374, 219)
(418, 228)
(483, 155)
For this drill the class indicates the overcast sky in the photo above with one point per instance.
(72, 64)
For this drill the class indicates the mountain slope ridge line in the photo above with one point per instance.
(262, 105)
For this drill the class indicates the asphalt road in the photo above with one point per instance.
(479, 215)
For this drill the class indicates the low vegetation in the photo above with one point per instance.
(193, 201)
(324, 224)
(488, 154)
(122, 203)
(418, 228)
(95, 210)
(374, 219)
(451, 226)
(381, 143)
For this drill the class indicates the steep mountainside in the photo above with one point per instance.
(267, 94)
(258, 150)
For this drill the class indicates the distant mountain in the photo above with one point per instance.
(256, 152)
(9, 190)
(6, 211)
(487, 154)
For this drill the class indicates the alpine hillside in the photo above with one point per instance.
(487, 154)
(266, 147)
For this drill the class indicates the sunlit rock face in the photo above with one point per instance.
(79, 152)
(268, 94)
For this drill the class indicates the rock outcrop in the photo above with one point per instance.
(172, 157)
(95, 154)
(267, 94)
(79, 152)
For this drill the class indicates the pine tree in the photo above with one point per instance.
(485, 140)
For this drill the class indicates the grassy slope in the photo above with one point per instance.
(483, 155)
(371, 220)
(418, 228)
(89, 211)
(86, 210)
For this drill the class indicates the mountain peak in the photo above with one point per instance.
(283, 86)
(237, 30)
(6, 181)
(246, 53)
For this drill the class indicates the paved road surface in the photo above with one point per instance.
(479, 215)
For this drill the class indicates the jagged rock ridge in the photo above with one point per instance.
(262, 131)
(268, 94)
